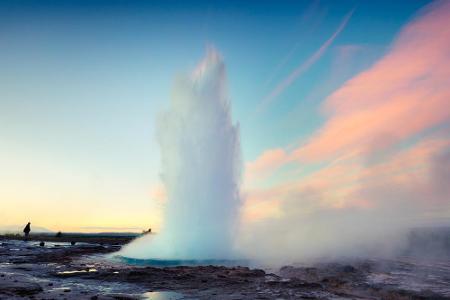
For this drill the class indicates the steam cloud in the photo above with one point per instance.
(380, 162)
(201, 170)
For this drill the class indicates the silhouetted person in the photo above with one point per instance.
(27, 229)
(147, 231)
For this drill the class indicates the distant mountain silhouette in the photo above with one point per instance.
(19, 228)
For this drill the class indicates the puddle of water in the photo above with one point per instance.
(181, 262)
(72, 272)
(163, 296)
(77, 271)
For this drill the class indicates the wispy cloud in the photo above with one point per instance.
(310, 19)
(285, 83)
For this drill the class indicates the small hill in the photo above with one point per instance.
(18, 229)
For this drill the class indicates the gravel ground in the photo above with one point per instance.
(85, 271)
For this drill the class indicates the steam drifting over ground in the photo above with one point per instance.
(379, 163)
(201, 169)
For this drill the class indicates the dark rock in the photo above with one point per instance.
(348, 269)
(22, 288)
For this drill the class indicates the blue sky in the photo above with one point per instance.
(81, 82)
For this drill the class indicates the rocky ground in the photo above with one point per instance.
(83, 271)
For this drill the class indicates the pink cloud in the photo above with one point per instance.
(158, 193)
(349, 182)
(267, 162)
(402, 95)
(405, 96)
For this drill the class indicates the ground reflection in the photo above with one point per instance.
(163, 296)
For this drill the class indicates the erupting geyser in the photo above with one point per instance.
(201, 169)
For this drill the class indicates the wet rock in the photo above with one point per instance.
(19, 288)
(121, 296)
(307, 274)
(367, 279)
(333, 281)
(348, 269)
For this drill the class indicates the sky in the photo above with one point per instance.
(341, 105)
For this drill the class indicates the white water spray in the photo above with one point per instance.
(201, 170)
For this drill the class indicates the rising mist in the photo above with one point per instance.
(201, 170)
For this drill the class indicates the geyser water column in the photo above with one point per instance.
(201, 170)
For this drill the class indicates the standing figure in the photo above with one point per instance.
(27, 229)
